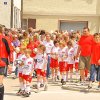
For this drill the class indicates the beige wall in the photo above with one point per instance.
(5, 12)
(52, 22)
(48, 12)
(60, 7)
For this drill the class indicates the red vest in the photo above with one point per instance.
(3, 50)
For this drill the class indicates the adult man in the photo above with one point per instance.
(5, 53)
(48, 44)
(84, 49)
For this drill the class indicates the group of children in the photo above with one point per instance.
(26, 66)
(63, 60)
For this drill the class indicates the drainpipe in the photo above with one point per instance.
(21, 13)
(11, 18)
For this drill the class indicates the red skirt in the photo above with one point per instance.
(62, 66)
(53, 63)
(69, 67)
(41, 73)
(27, 78)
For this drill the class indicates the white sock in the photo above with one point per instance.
(58, 73)
(38, 85)
(55, 75)
(28, 89)
(65, 78)
(42, 81)
(45, 83)
(22, 86)
(71, 75)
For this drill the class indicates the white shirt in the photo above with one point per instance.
(48, 46)
(75, 52)
(21, 58)
(41, 61)
(54, 52)
(28, 66)
(62, 54)
(70, 56)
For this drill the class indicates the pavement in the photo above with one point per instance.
(55, 91)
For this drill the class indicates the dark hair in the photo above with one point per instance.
(42, 32)
(95, 34)
(69, 43)
(72, 36)
(1, 28)
(86, 28)
(55, 41)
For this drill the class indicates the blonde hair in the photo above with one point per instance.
(62, 43)
(42, 47)
(28, 51)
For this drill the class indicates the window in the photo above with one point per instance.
(73, 25)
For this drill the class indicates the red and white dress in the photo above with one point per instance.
(54, 59)
(21, 58)
(41, 64)
(27, 68)
(62, 59)
(75, 53)
(70, 58)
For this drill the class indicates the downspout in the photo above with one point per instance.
(11, 18)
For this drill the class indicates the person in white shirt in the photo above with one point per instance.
(28, 69)
(48, 44)
(76, 61)
(54, 60)
(70, 59)
(18, 63)
(41, 67)
(62, 61)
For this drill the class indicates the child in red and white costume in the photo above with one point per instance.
(28, 69)
(54, 60)
(70, 59)
(41, 67)
(62, 61)
(18, 62)
(76, 60)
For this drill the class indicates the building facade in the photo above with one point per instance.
(10, 13)
(61, 14)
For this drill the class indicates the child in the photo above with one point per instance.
(28, 69)
(54, 60)
(62, 64)
(18, 63)
(15, 55)
(41, 67)
(70, 58)
(76, 61)
(95, 61)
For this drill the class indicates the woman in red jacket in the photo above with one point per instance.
(6, 51)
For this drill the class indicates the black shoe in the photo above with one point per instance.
(19, 92)
(41, 85)
(62, 80)
(63, 83)
(99, 86)
(89, 87)
(26, 95)
(34, 86)
(58, 77)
